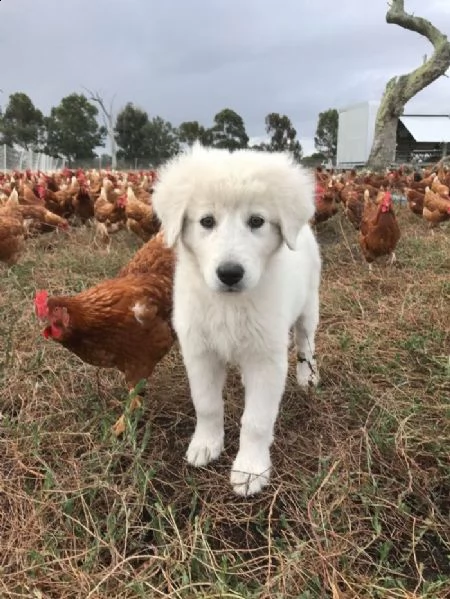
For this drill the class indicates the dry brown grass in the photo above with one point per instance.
(360, 497)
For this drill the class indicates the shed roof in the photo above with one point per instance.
(428, 128)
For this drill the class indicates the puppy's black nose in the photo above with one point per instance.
(230, 273)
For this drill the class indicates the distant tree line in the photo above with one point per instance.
(72, 130)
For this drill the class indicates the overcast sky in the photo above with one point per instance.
(188, 59)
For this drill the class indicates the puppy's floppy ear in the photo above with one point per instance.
(171, 215)
(169, 199)
(295, 201)
(290, 225)
(290, 228)
(172, 232)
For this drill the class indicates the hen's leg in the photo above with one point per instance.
(136, 402)
(102, 237)
(120, 426)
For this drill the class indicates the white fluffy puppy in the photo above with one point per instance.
(248, 270)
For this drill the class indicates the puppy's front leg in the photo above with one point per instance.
(206, 375)
(264, 385)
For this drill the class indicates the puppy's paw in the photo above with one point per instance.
(248, 477)
(307, 373)
(203, 449)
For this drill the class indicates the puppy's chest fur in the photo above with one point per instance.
(234, 329)
(231, 326)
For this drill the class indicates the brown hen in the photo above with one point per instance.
(12, 233)
(436, 208)
(379, 232)
(122, 323)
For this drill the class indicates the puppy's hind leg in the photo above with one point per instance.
(206, 375)
(305, 332)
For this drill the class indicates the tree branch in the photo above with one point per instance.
(401, 89)
(436, 66)
(108, 119)
(396, 15)
(96, 97)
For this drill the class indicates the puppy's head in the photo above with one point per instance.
(232, 211)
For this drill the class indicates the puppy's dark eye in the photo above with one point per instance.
(255, 222)
(208, 222)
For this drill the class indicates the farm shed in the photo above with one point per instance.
(356, 128)
(420, 137)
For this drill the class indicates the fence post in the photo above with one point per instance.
(4, 157)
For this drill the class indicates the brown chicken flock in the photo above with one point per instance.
(125, 322)
(34, 203)
(367, 201)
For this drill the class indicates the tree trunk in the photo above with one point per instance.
(112, 141)
(108, 119)
(402, 89)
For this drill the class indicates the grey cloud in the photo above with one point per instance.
(188, 60)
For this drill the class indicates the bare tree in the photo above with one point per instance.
(108, 120)
(400, 89)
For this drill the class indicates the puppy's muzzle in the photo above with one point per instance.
(230, 274)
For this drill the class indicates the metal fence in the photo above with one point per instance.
(13, 159)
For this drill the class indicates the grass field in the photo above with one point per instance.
(359, 502)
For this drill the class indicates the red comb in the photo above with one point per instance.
(41, 191)
(40, 304)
